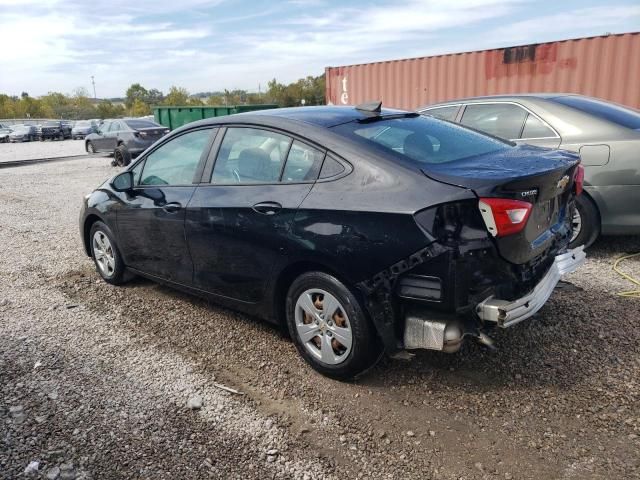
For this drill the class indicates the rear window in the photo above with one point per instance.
(422, 140)
(136, 124)
(617, 114)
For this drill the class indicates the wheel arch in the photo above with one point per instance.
(595, 201)
(86, 231)
(286, 277)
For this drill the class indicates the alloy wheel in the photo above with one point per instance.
(576, 224)
(103, 253)
(323, 326)
(90, 148)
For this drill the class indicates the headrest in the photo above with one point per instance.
(253, 164)
(418, 147)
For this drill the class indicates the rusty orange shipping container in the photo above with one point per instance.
(607, 67)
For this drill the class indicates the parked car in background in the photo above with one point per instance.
(5, 132)
(82, 128)
(606, 135)
(53, 130)
(23, 133)
(361, 229)
(125, 138)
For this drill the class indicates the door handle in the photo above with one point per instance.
(267, 208)
(172, 207)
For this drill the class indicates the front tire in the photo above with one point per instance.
(330, 328)
(106, 255)
(90, 148)
(585, 222)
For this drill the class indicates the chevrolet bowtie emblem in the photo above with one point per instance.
(563, 182)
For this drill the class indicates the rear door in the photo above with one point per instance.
(101, 142)
(111, 138)
(239, 222)
(151, 219)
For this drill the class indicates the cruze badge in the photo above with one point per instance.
(563, 182)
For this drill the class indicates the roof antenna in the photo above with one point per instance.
(370, 107)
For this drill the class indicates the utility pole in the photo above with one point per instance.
(94, 87)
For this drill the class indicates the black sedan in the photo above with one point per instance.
(363, 230)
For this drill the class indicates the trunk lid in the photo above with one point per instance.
(151, 133)
(542, 177)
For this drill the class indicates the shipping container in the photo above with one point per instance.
(174, 117)
(607, 67)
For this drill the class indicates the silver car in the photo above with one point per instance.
(23, 133)
(606, 135)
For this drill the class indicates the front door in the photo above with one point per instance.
(239, 224)
(151, 220)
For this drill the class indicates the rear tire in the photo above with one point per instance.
(122, 156)
(586, 221)
(319, 303)
(106, 255)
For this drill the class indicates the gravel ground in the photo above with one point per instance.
(99, 381)
(46, 149)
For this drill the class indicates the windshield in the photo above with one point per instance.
(422, 140)
(51, 124)
(612, 112)
(21, 128)
(136, 124)
(83, 124)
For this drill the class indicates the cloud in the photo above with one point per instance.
(210, 45)
(570, 24)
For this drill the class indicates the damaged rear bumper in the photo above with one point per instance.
(507, 313)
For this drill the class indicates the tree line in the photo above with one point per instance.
(138, 100)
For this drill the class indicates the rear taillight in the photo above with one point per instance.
(579, 179)
(504, 216)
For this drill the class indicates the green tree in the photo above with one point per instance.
(139, 108)
(154, 97)
(177, 96)
(107, 109)
(136, 92)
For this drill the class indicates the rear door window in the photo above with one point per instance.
(250, 155)
(303, 163)
(175, 162)
(504, 120)
(445, 113)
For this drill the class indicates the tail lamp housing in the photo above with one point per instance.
(504, 216)
(579, 179)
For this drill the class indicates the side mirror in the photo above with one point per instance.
(123, 182)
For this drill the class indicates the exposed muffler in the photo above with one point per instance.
(432, 331)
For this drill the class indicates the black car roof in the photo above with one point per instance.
(323, 116)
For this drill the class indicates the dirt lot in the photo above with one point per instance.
(46, 149)
(95, 380)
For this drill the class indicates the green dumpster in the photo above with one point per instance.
(174, 117)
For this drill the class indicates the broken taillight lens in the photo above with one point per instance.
(579, 179)
(504, 216)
